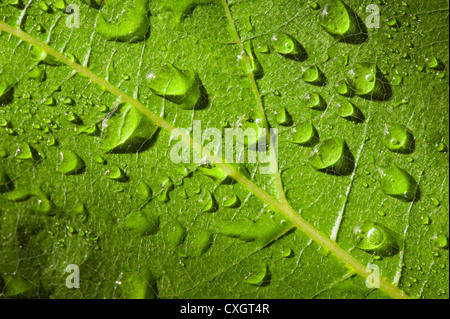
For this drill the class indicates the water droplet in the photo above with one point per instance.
(232, 202)
(366, 81)
(49, 101)
(397, 80)
(435, 201)
(305, 134)
(313, 5)
(126, 131)
(339, 20)
(24, 151)
(392, 22)
(441, 147)
(70, 163)
(44, 6)
(431, 61)
(286, 253)
(259, 276)
(115, 173)
(59, 5)
(175, 233)
(143, 191)
(332, 156)
(315, 101)
(397, 138)
(4, 123)
(375, 238)
(283, 117)
(398, 183)
(288, 46)
(132, 23)
(138, 285)
(201, 242)
(349, 111)
(142, 223)
(425, 220)
(313, 75)
(262, 231)
(440, 241)
(250, 64)
(99, 159)
(209, 203)
(37, 73)
(38, 55)
(342, 88)
(68, 101)
(167, 186)
(182, 87)
(73, 118)
(80, 210)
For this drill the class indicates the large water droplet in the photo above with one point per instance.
(398, 183)
(115, 173)
(209, 203)
(174, 234)
(37, 73)
(232, 201)
(143, 191)
(341, 22)
(367, 81)
(288, 46)
(142, 223)
(182, 87)
(251, 64)
(262, 231)
(332, 156)
(70, 163)
(283, 117)
(313, 75)
(375, 238)
(201, 242)
(25, 152)
(431, 61)
(349, 111)
(130, 21)
(305, 134)
(138, 285)
(315, 101)
(38, 55)
(167, 186)
(260, 276)
(127, 131)
(397, 138)
(440, 241)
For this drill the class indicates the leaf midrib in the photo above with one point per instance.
(282, 207)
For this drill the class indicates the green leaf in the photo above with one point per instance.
(347, 190)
